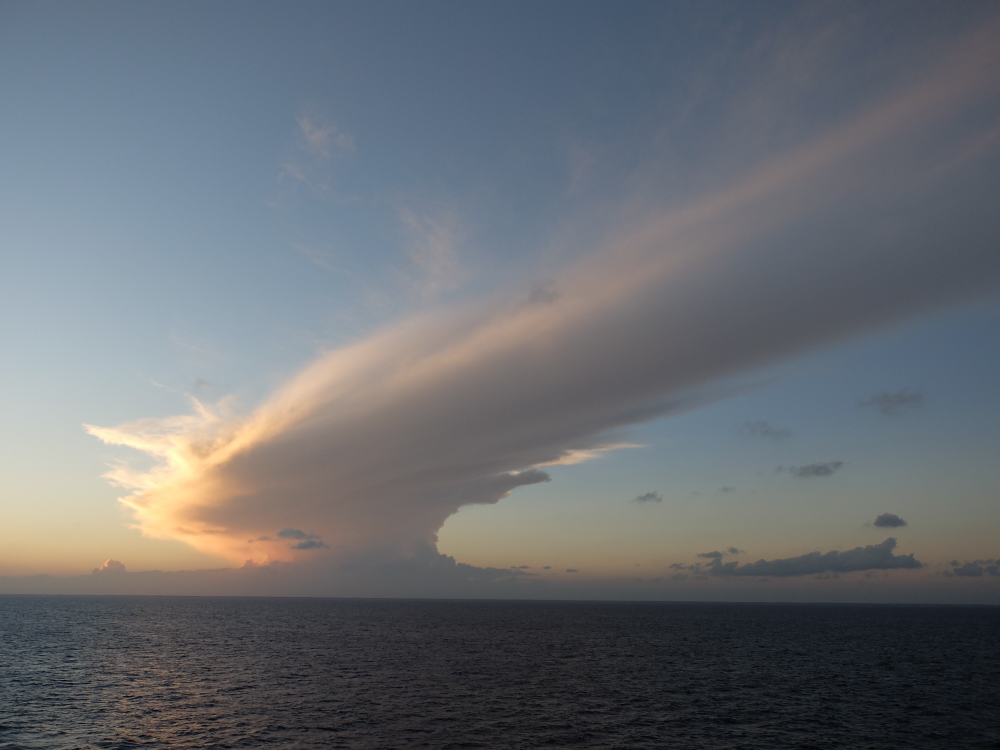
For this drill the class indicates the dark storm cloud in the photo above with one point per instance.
(814, 470)
(763, 429)
(893, 403)
(889, 521)
(874, 556)
(649, 497)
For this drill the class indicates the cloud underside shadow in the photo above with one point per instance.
(374, 445)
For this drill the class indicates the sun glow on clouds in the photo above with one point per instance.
(370, 448)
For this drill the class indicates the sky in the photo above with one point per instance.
(563, 300)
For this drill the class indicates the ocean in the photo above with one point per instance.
(175, 672)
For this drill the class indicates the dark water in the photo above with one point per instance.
(126, 672)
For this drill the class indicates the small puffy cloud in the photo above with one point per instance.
(711, 555)
(520, 567)
(546, 567)
(295, 534)
(814, 470)
(893, 403)
(571, 570)
(975, 569)
(872, 557)
(307, 541)
(111, 566)
(736, 551)
(727, 489)
(649, 497)
(310, 544)
(889, 521)
(763, 429)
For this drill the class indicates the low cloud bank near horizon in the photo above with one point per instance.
(429, 574)
(974, 569)
(872, 557)
(374, 445)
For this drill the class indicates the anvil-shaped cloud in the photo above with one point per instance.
(370, 448)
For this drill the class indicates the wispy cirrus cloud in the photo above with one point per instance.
(374, 445)
(318, 144)
(432, 242)
(893, 403)
(323, 139)
(763, 429)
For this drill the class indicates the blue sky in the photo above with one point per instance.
(361, 270)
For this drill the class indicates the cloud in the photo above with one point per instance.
(375, 444)
(814, 470)
(736, 551)
(889, 520)
(649, 497)
(763, 429)
(323, 140)
(307, 541)
(714, 559)
(874, 556)
(310, 544)
(727, 489)
(572, 570)
(111, 566)
(318, 144)
(547, 567)
(893, 403)
(432, 242)
(295, 534)
(975, 569)
(543, 293)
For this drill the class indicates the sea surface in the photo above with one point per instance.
(129, 672)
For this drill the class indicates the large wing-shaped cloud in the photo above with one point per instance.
(374, 445)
